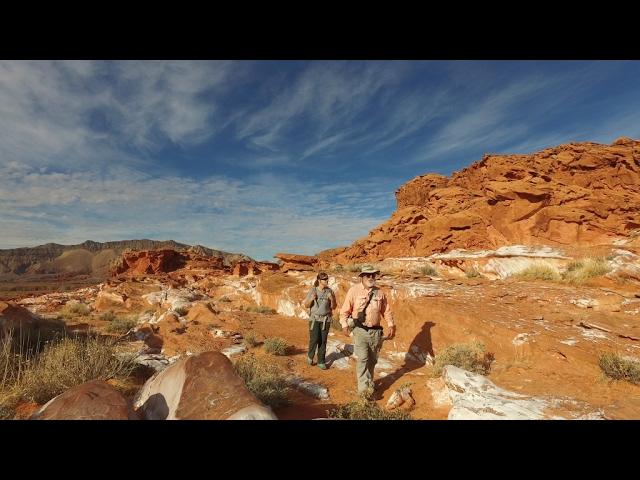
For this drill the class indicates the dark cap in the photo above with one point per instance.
(323, 276)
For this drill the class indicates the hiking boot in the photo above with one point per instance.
(310, 361)
(322, 366)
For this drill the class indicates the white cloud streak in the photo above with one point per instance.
(258, 217)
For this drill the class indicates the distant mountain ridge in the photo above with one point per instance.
(92, 258)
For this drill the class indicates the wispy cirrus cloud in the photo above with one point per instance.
(69, 112)
(332, 106)
(259, 216)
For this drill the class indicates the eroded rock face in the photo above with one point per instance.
(241, 269)
(296, 262)
(150, 262)
(581, 193)
(94, 400)
(201, 387)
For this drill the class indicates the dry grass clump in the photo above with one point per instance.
(264, 379)
(619, 368)
(363, 409)
(470, 357)
(38, 376)
(580, 271)
(276, 346)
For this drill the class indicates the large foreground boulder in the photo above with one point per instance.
(201, 387)
(19, 322)
(94, 400)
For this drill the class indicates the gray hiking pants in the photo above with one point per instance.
(367, 345)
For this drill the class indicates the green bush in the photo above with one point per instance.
(470, 357)
(121, 324)
(276, 346)
(428, 270)
(181, 311)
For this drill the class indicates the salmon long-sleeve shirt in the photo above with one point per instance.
(356, 299)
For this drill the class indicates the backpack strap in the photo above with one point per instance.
(364, 310)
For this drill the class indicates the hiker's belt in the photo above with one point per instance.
(377, 327)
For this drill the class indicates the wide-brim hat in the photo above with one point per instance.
(367, 269)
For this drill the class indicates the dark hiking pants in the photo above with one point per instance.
(318, 339)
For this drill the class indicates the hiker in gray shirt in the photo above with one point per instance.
(321, 300)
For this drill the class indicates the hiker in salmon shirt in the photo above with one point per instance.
(362, 311)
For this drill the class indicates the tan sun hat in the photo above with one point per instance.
(367, 269)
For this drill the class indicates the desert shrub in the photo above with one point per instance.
(251, 339)
(539, 271)
(619, 368)
(428, 270)
(108, 316)
(121, 324)
(181, 311)
(71, 310)
(224, 299)
(362, 409)
(470, 357)
(264, 379)
(579, 271)
(276, 346)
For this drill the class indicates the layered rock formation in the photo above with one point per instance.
(292, 261)
(574, 194)
(93, 258)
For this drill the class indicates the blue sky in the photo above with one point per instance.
(266, 156)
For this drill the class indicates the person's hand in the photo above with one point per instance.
(345, 330)
(392, 332)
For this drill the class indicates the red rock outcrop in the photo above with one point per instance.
(296, 262)
(241, 269)
(150, 262)
(573, 194)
